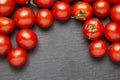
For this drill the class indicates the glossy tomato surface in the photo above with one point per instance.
(98, 48)
(17, 57)
(5, 45)
(6, 25)
(26, 38)
(44, 18)
(6, 7)
(61, 10)
(82, 10)
(114, 52)
(101, 8)
(24, 17)
(21, 2)
(93, 29)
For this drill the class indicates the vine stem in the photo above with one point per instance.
(32, 3)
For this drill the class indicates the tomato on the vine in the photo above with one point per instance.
(101, 8)
(93, 29)
(5, 45)
(88, 0)
(26, 38)
(24, 17)
(6, 25)
(21, 2)
(114, 52)
(82, 10)
(44, 18)
(17, 57)
(6, 7)
(98, 48)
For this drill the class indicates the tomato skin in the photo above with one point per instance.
(88, 0)
(101, 8)
(24, 17)
(93, 29)
(82, 10)
(67, 0)
(114, 52)
(113, 1)
(44, 3)
(61, 10)
(5, 45)
(112, 31)
(98, 48)
(17, 57)
(6, 7)
(21, 2)
(115, 13)
(6, 25)
(26, 38)
(44, 18)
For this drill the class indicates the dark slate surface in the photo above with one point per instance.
(61, 54)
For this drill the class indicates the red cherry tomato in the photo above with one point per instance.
(112, 31)
(98, 48)
(24, 17)
(26, 39)
(6, 25)
(115, 13)
(101, 8)
(114, 52)
(17, 57)
(88, 0)
(21, 2)
(44, 3)
(82, 10)
(6, 7)
(61, 10)
(5, 45)
(44, 18)
(67, 0)
(93, 29)
(114, 1)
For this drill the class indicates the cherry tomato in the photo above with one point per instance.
(6, 7)
(67, 0)
(88, 0)
(93, 29)
(114, 52)
(6, 25)
(115, 13)
(44, 3)
(82, 10)
(17, 57)
(26, 39)
(61, 10)
(44, 18)
(21, 2)
(112, 31)
(98, 48)
(114, 1)
(24, 17)
(5, 45)
(101, 8)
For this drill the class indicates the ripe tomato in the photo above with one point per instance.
(114, 52)
(114, 1)
(115, 13)
(26, 39)
(98, 48)
(44, 18)
(5, 45)
(67, 0)
(93, 29)
(44, 3)
(101, 8)
(21, 2)
(6, 7)
(6, 25)
(24, 17)
(88, 0)
(17, 57)
(82, 10)
(112, 31)
(61, 10)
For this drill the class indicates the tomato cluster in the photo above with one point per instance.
(88, 11)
